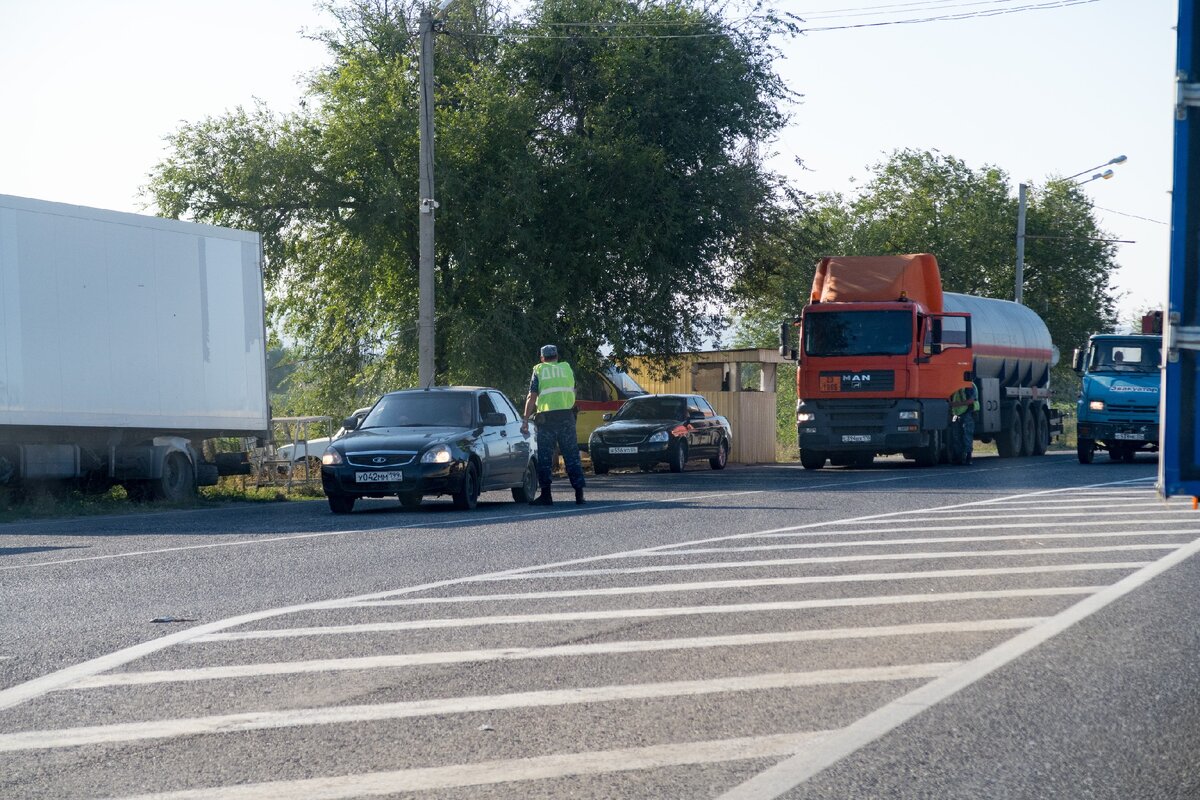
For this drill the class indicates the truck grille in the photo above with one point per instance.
(379, 460)
(1126, 408)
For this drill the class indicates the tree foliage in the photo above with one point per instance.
(598, 188)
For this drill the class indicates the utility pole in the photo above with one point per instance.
(1022, 202)
(425, 284)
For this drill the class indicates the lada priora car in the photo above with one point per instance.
(661, 427)
(452, 440)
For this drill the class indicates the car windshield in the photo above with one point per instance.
(655, 408)
(858, 333)
(453, 409)
(1118, 356)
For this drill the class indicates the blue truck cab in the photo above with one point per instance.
(1118, 400)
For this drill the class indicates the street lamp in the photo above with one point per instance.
(426, 204)
(1022, 203)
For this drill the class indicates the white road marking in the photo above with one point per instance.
(704, 586)
(782, 562)
(781, 778)
(567, 765)
(1057, 506)
(925, 540)
(335, 715)
(1043, 514)
(553, 651)
(922, 528)
(645, 613)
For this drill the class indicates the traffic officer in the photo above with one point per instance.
(552, 397)
(963, 405)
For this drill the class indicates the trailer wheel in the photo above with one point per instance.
(176, 484)
(1086, 450)
(1008, 441)
(1028, 430)
(812, 459)
(1041, 431)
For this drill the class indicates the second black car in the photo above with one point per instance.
(662, 427)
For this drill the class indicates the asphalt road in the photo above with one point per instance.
(1018, 628)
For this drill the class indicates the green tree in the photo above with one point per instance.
(597, 178)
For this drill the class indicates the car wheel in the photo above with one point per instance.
(1130, 455)
(528, 488)
(410, 499)
(1085, 449)
(812, 459)
(678, 456)
(599, 467)
(863, 459)
(341, 504)
(722, 457)
(468, 496)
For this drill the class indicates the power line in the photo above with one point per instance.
(1131, 216)
(929, 5)
(965, 15)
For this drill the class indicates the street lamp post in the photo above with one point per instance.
(1022, 205)
(426, 204)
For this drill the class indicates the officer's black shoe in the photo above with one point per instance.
(579, 496)
(543, 499)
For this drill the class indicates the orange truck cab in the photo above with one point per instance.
(882, 349)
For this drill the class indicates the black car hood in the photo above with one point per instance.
(414, 438)
(637, 426)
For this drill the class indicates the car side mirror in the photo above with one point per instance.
(350, 423)
(695, 415)
(607, 417)
(494, 420)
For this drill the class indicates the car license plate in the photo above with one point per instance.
(856, 437)
(622, 451)
(1137, 436)
(392, 476)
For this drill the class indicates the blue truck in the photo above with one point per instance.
(1118, 400)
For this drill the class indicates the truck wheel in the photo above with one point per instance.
(176, 484)
(812, 459)
(1028, 430)
(341, 504)
(677, 458)
(1086, 450)
(1041, 431)
(1008, 441)
(468, 497)
(928, 455)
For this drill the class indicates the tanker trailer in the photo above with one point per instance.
(883, 348)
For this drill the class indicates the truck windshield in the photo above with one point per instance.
(858, 333)
(1130, 356)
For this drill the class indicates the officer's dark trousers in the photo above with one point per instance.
(558, 428)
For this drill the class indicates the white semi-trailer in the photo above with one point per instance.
(125, 342)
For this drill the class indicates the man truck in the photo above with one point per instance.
(1118, 397)
(883, 349)
(125, 342)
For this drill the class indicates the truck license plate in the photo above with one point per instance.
(856, 437)
(1134, 436)
(622, 451)
(393, 476)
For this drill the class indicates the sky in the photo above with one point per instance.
(91, 88)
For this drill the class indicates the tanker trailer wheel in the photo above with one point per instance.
(1086, 450)
(1028, 430)
(1008, 440)
(1041, 431)
(812, 459)
(176, 484)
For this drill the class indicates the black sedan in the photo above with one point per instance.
(661, 427)
(454, 440)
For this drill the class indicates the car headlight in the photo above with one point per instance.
(331, 457)
(1096, 405)
(661, 436)
(805, 416)
(595, 437)
(436, 455)
(910, 415)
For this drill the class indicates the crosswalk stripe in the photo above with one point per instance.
(746, 583)
(566, 765)
(922, 540)
(1087, 523)
(785, 562)
(554, 651)
(334, 715)
(645, 613)
(1044, 514)
(1043, 506)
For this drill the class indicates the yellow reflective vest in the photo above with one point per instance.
(556, 386)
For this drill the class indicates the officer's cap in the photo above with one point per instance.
(549, 351)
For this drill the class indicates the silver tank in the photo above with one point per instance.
(1011, 342)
